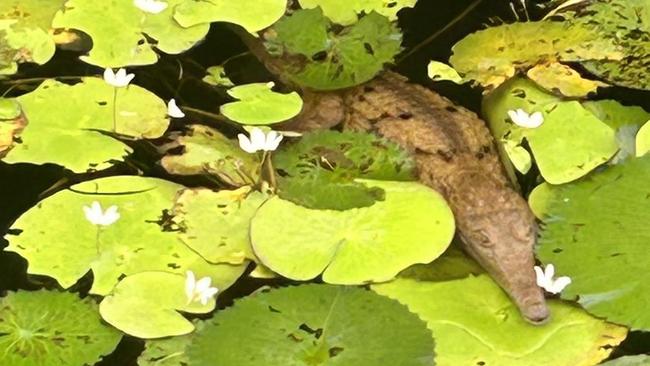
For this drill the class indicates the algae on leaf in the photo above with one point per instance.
(46, 328)
(347, 12)
(313, 325)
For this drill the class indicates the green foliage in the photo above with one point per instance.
(492, 56)
(643, 140)
(563, 80)
(259, 105)
(208, 151)
(331, 59)
(596, 232)
(320, 168)
(314, 325)
(168, 351)
(474, 322)
(438, 71)
(335, 243)
(68, 124)
(347, 12)
(216, 224)
(216, 75)
(24, 27)
(639, 360)
(251, 15)
(134, 243)
(46, 328)
(569, 144)
(146, 305)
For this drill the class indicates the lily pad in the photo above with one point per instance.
(259, 105)
(147, 304)
(475, 323)
(67, 123)
(597, 234)
(371, 244)
(168, 351)
(494, 55)
(569, 144)
(216, 75)
(46, 328)
(207, 151)
(314, 325)
(333, 58)
(643, 140)
(347, 12)
(12, 122)
(638, 360)
(439, 71)
(216, 224)
(562, 79)
(250, 15)
(124, 35)
(136, 242)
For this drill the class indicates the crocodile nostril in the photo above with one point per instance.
(536, 314)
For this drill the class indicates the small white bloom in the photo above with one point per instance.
(151, 6)
(523, 119)
(259, 141)
(200, 290)
(119, 79)
(96, 216)
(545, 279)
(173, 110)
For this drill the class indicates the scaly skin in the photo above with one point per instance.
(456, 155)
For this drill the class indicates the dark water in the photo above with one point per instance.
(22, 185)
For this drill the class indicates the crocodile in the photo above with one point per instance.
(455, 154)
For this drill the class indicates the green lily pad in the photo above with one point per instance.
(569, 144)
(170, 351)
(259, 105)
(250, 15)
(475, 323)
(561, 79)
(597, 234)
(439, 71)
(207, 151)
(66, 123)
(12, 122)
(136, 242)
(46, 328)
(147, 304)
(494, 55)
(216, 224)
(638, 360)
(643, 140)
(216, 75)
(540, 198)
(333, 58)
(24, 30)
(412, 225)
(124, 35)
(347, 12)
(313, 325)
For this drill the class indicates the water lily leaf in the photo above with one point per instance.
(558, 78)
(334, 59)
(615, 114)
(170, 351)
(335, 243)
(136, 242)
(320, 168)
(569, 144)
(216, 224)
(540, 198)
(46, 328)
(12, 122)
(313, 325)
(475, 323)
(494, 55)
(207, 151)
(147, 305)
(250, 15)
(25, 26)
(124, 35)
(439, 71)
(627, 24)
(259, 105)
(643, 140)
(347, 12)
(452, 264)
(66, 123)
(638, 360)
(216, 75)
(597, 234)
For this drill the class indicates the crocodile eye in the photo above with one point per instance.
(483, 239)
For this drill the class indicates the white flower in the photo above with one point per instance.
(259, 141)
(199, 290)
(523, 119)
(119, 79)
(173, 110)
(151, 6)
(96, 216)
(545, 279)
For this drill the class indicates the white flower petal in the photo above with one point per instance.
(549, 272)
(190, 285)
(535, 120)
(513, 115)
(173, 110)
(151, 6)
(119, 79)
(559, 285)
(541, 278)
(290, 133)
(272, 140)
(245, 144)
(109, 76)
(203, 284)
(258, 138)
(206, 295)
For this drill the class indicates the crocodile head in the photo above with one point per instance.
(499, 231)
